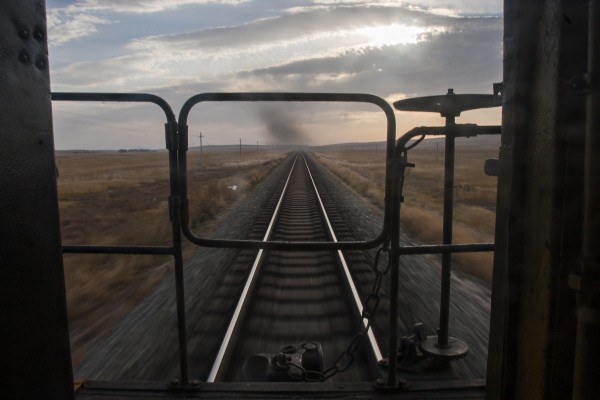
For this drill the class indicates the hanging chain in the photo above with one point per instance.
(346, 358)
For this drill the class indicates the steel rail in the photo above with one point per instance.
(357, 302)
(224, 352)
(244, 298)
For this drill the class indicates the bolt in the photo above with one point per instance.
(195, 382)
(38, 34)
(380, 382)
(24, 58)
(23, 33)
(41, 63)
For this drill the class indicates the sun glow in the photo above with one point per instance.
(389, 35)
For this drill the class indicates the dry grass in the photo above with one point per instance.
(121, 199)
(421, 216)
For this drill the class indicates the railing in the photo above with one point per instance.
(176, 138)
(171, 140)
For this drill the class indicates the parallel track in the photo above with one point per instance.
(295, 296)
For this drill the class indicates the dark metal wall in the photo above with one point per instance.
(34, 342)
(540, 200)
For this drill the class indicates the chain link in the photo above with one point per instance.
(346, 358)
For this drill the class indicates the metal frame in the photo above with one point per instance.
(443, 345)
(176, 138)
(174, 205)
(287, 97)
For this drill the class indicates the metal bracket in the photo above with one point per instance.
(171, 139)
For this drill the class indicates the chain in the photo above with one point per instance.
(346, 358)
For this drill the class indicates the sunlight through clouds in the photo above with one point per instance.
(392, 49)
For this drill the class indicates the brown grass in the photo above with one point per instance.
(421, 213)
(112, 198)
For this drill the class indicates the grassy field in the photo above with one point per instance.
(121, 198)
(421, 213)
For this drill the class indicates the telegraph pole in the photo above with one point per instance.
(200, 136)
(240, 148)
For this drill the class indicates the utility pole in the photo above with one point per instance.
(200, 136)
(257, 146)
(240, 148)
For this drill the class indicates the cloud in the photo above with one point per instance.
(469, 60)
(83, 17)
(141, 6)
(442, 7)
(65, 26)
(391, 51)
(211, 54)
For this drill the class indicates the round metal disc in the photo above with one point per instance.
(455, 348)
(449, 105)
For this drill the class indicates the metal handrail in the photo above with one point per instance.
(176, 138)
(175, 249)
(288, 97)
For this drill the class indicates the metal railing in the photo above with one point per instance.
(175, 249)
(176, 138)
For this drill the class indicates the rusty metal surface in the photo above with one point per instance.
(538, 227)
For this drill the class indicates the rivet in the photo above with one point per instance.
(38, 34)
(24, 58)
(41, 63)
(23, 33)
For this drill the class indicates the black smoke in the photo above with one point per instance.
(283, 125)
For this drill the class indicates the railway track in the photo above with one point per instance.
(291, 297)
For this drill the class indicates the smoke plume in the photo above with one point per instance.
(282, 125)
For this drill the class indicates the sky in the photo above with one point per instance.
(178, 48)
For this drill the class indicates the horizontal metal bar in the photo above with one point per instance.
(434, 388)
(91, 249)
(287, 97)
(117, 97)
(280, 245)
(447, 248)
(458, 130)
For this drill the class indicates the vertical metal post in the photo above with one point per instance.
(398, 175)
(201, 155)
(175, 210)
(586, 281)
(447, 230)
